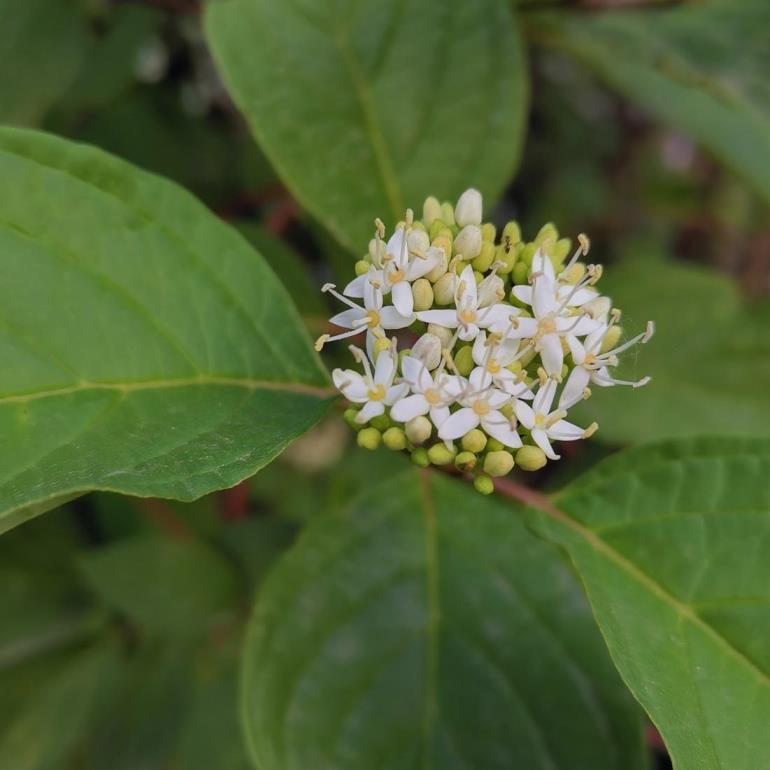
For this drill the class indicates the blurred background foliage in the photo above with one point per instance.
(114, 601)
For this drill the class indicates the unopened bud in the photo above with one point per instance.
(420, 457)
(441, 266)
(428, 350)
(431, 211)
(395, 439)
(512, 232)
(418, 429)
(611, 338)
(436, 227)
(382, 422)
(530, 458)
(448, 213)
(488, 232)
(491, 291)
(560, 250)
(520, 273)
(418, 242)
(506, 257)
(547, 232)
(422, 293)
(369, 438)
(498, 463)
(362, 267)
(440, 454)
(483, 484)
(350, 415)
(469, 208)
(493, 445)
(466, 461)
(474, 441)
(485, 258)
(464, 360)
(444, 334)
(381, 345)
(527, 254)
(444, 289)
(467, 243)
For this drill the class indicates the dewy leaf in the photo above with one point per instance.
(709, 359)
(42, 46)
(673, 544)
(145, 347)
(367, 107)
(428, 628)
(700, 66)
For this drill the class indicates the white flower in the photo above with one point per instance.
(374, 391)
(569, 294)
(469, 208)
(591, 365)
(431, 393)
(493, 357)
(469, 316)
(481, 405)
(544, 424)
(372, 316)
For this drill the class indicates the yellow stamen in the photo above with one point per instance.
(377, 393)
(481, 408)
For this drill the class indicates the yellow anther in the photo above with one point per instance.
(481, 407)
(590, 430)
(585, 243)
(320, 342)
(377, 393)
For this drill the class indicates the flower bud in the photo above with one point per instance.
(530, 458)
(436, 227)
(491, 291)
(474, 441)
(506, 255)
(448, 213)
(466, 461)
(483, 484)
(464, 360)
(493, 445)
(444, 289)
(498, 463)
(395, 439)
(547, 232)
(422, 293)
(431, 211)
(362, 267)
(611, 339)
(440, 454)
(444, 334)
(488, 232)
(420, 457)
(382, 422)
(486, 257)
(418, 429)
(598, 308)
(478, 277)
(468, 208)
(418, 241)
(467, 243)
(428, 350)
(369, 438)
(444, 242)
(381, 345)
(441, 267)
(527, 254)
(560, 250)
(512, 233)
(377, 251)
(350, 415)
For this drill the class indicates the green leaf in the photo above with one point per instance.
(146, 348)
(367, 107)
(428, 627)
(671, 541)
(700, 66)
(42, 46)
(709, 358)
(165, 586)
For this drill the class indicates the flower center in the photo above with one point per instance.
(377, 393)
(432, 396)
(481, 407)
(589, 359)
(540, 420)
(493, 367)
(467, 316)
(547, 325)
(396, 276)
(374, 319)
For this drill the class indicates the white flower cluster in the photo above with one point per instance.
(482, 369)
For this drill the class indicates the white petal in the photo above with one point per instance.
(552, 354)
(384, 368)
(565, 431)
(523, 293)
(524, 413)
(480, 349)
(420, 266)
(499, 426)
(372, 296)
(580, 297)
(468, 332)
(396, 247)
(541, 263)
(347, 318)
(416, 373)
(356, 287)
(370, 409)
(541, 439)
(577, 349)
(390, 318)
(523, 327)
(579, 328)
(458, 424)
(351, 384)
(479, 379)
(396, 392)
(409, 407)
(439, 415)
(403, 299)
(451, 385)
(447, 318)
(498, 317)
(574, 387)
(468, 281)
(497, 398)
(543, 296)
(544, 397)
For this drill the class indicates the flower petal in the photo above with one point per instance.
(468, 332)
(447, 318)
(396, 392)
(355, 288)
(351, 384)
(499, 426)
(497, 398)
(469, 292)
(523, 327)
(347, 318)
(370, 409)
(390, 318)
(384, 368)
(541, 439)
(410, 407)
(565, 431)
(574, 387)
(523, 293)
(480, 349)
(552, 354)
(458, 424)
(403, 299)
(524, 413)
(416, 373)
(439, 415)
(544, 397)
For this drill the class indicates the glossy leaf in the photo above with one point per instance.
(146, 348)
(700, 66)
(365, 108)
(673, 544)
(427, 627)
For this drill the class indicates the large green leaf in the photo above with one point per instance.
(42, 46)
(427, 627)
(367, 106)
(145, 347)
(673, 544)
(709, 359)
(700, 66)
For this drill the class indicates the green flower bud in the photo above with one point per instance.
(436, 227)
(448, 213)
(418, 429)
(484, 484)
(512, 232)
(440, 268)
(443, 240)
(381, 345)
(530, 458)
(466, 461)
(444, 289)
(464, 360)
(369, 438)
(474, 441)
(564, 371)
(528, 357)
(527, 254)
(486, 257)
(498, 463)
(478, 277)
(488, 232)
(547, 232)
(381, 422)
(362, 267)
(561, 249)
(349, 416)
(468, 242)
(444, 334)
(507, 410)
(422, 292)
(611, 339)
(420, 457)
(395, 439)
(440, 454)
(403, 353)
(468, 208)
(493, 445)
(520, 273)
(506, 255)
(431, 211)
